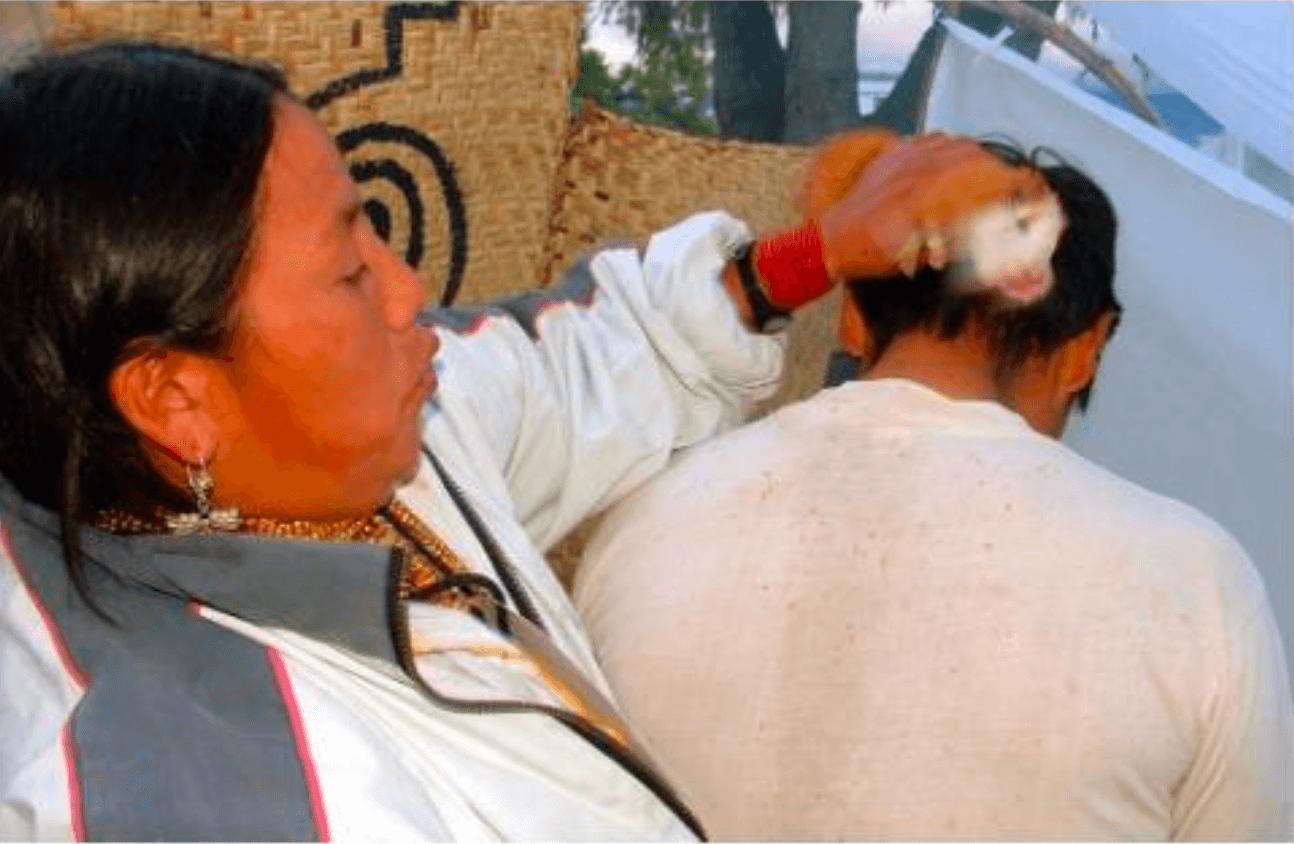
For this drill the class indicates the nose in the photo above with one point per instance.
(402, 288)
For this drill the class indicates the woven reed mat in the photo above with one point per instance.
(619, 179)
(452, 116)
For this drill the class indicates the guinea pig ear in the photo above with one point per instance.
(837, 165)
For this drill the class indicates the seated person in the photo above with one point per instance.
(902, 609)
(268, 571)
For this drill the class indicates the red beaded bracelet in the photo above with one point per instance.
(792, 266)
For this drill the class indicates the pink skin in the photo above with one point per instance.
(1028, 285)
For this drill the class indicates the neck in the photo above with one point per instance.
(960, 368)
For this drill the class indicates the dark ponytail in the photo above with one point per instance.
(128, 188)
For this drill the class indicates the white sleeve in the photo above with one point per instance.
(580, 392)
(1241, 784)
(38, 694)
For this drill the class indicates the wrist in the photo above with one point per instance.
(852, 252)
(792, 266)
(758, 312)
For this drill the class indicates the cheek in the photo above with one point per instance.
(321, 394)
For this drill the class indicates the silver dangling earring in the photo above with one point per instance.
(205, 519)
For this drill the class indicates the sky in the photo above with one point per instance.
(885, 36)
(888, 32)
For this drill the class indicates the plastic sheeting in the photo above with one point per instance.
(1235, 59)
(1193, 399)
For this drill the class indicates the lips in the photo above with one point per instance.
(426, 382)
(425, 385)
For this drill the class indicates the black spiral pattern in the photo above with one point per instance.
(415, 195)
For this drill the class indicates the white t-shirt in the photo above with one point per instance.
(882, 614)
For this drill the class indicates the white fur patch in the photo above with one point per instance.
(1008, 247)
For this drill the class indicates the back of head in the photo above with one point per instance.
(1083, 266)
(128, 185)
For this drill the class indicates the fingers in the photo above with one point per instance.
(883, 162)
(954, 193)
(956, 177)
(938, 250)
(908, 171)
(885, 203)
(979, 179)
(960, 166)
(925, 248)
(908, 256)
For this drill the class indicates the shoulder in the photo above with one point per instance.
(1152, 514)
(1162, 539)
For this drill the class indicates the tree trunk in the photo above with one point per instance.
(821, 69)
(749, 71)
(901, 108)
(1025, 42)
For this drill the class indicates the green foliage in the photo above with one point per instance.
(595, 81)
(669, 80)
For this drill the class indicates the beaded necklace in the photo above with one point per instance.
(432, 572)
(428, 559)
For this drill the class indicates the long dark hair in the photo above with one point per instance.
(1083, 291)
(128, 196)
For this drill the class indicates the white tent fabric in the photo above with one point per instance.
(1236, 60)
(1194, 395)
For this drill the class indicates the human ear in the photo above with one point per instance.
(171, 399)
(852, 331)
(1081, 355)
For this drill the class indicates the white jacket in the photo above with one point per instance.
(253, 688)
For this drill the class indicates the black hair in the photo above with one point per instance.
(129, 178)
(1082, 291)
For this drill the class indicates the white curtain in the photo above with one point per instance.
(1232, 58)
(1194, 398)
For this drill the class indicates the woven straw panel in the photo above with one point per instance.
(473, 98)
(619, 179)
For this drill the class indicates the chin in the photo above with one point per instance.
(410, 472)
(400, 479)
(412, 460)
(409, 456)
